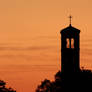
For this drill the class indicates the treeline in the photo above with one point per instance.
(3, 87)
(71, 82)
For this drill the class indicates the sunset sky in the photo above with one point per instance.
(30, 38)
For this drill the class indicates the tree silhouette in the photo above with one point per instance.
(73, 82)
(3, 87)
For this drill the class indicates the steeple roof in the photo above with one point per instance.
(70, 29)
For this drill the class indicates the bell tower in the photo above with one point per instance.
(70, 49)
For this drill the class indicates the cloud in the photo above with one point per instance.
(46, 37)
(86, 51)
(27, 48)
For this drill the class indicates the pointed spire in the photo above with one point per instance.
(70, 17)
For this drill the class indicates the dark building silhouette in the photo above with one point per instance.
(71, 78)
(70, 49)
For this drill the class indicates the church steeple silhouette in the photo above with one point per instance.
(70, 49)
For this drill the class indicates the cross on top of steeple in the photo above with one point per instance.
(70, 17)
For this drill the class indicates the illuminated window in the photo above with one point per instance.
(67, 43)
(72, 43)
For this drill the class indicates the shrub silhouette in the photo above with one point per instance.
(3, 87)
(71, 82)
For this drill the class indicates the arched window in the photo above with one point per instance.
(67, 43)
(72, 43)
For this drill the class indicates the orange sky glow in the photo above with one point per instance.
(30, 39)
